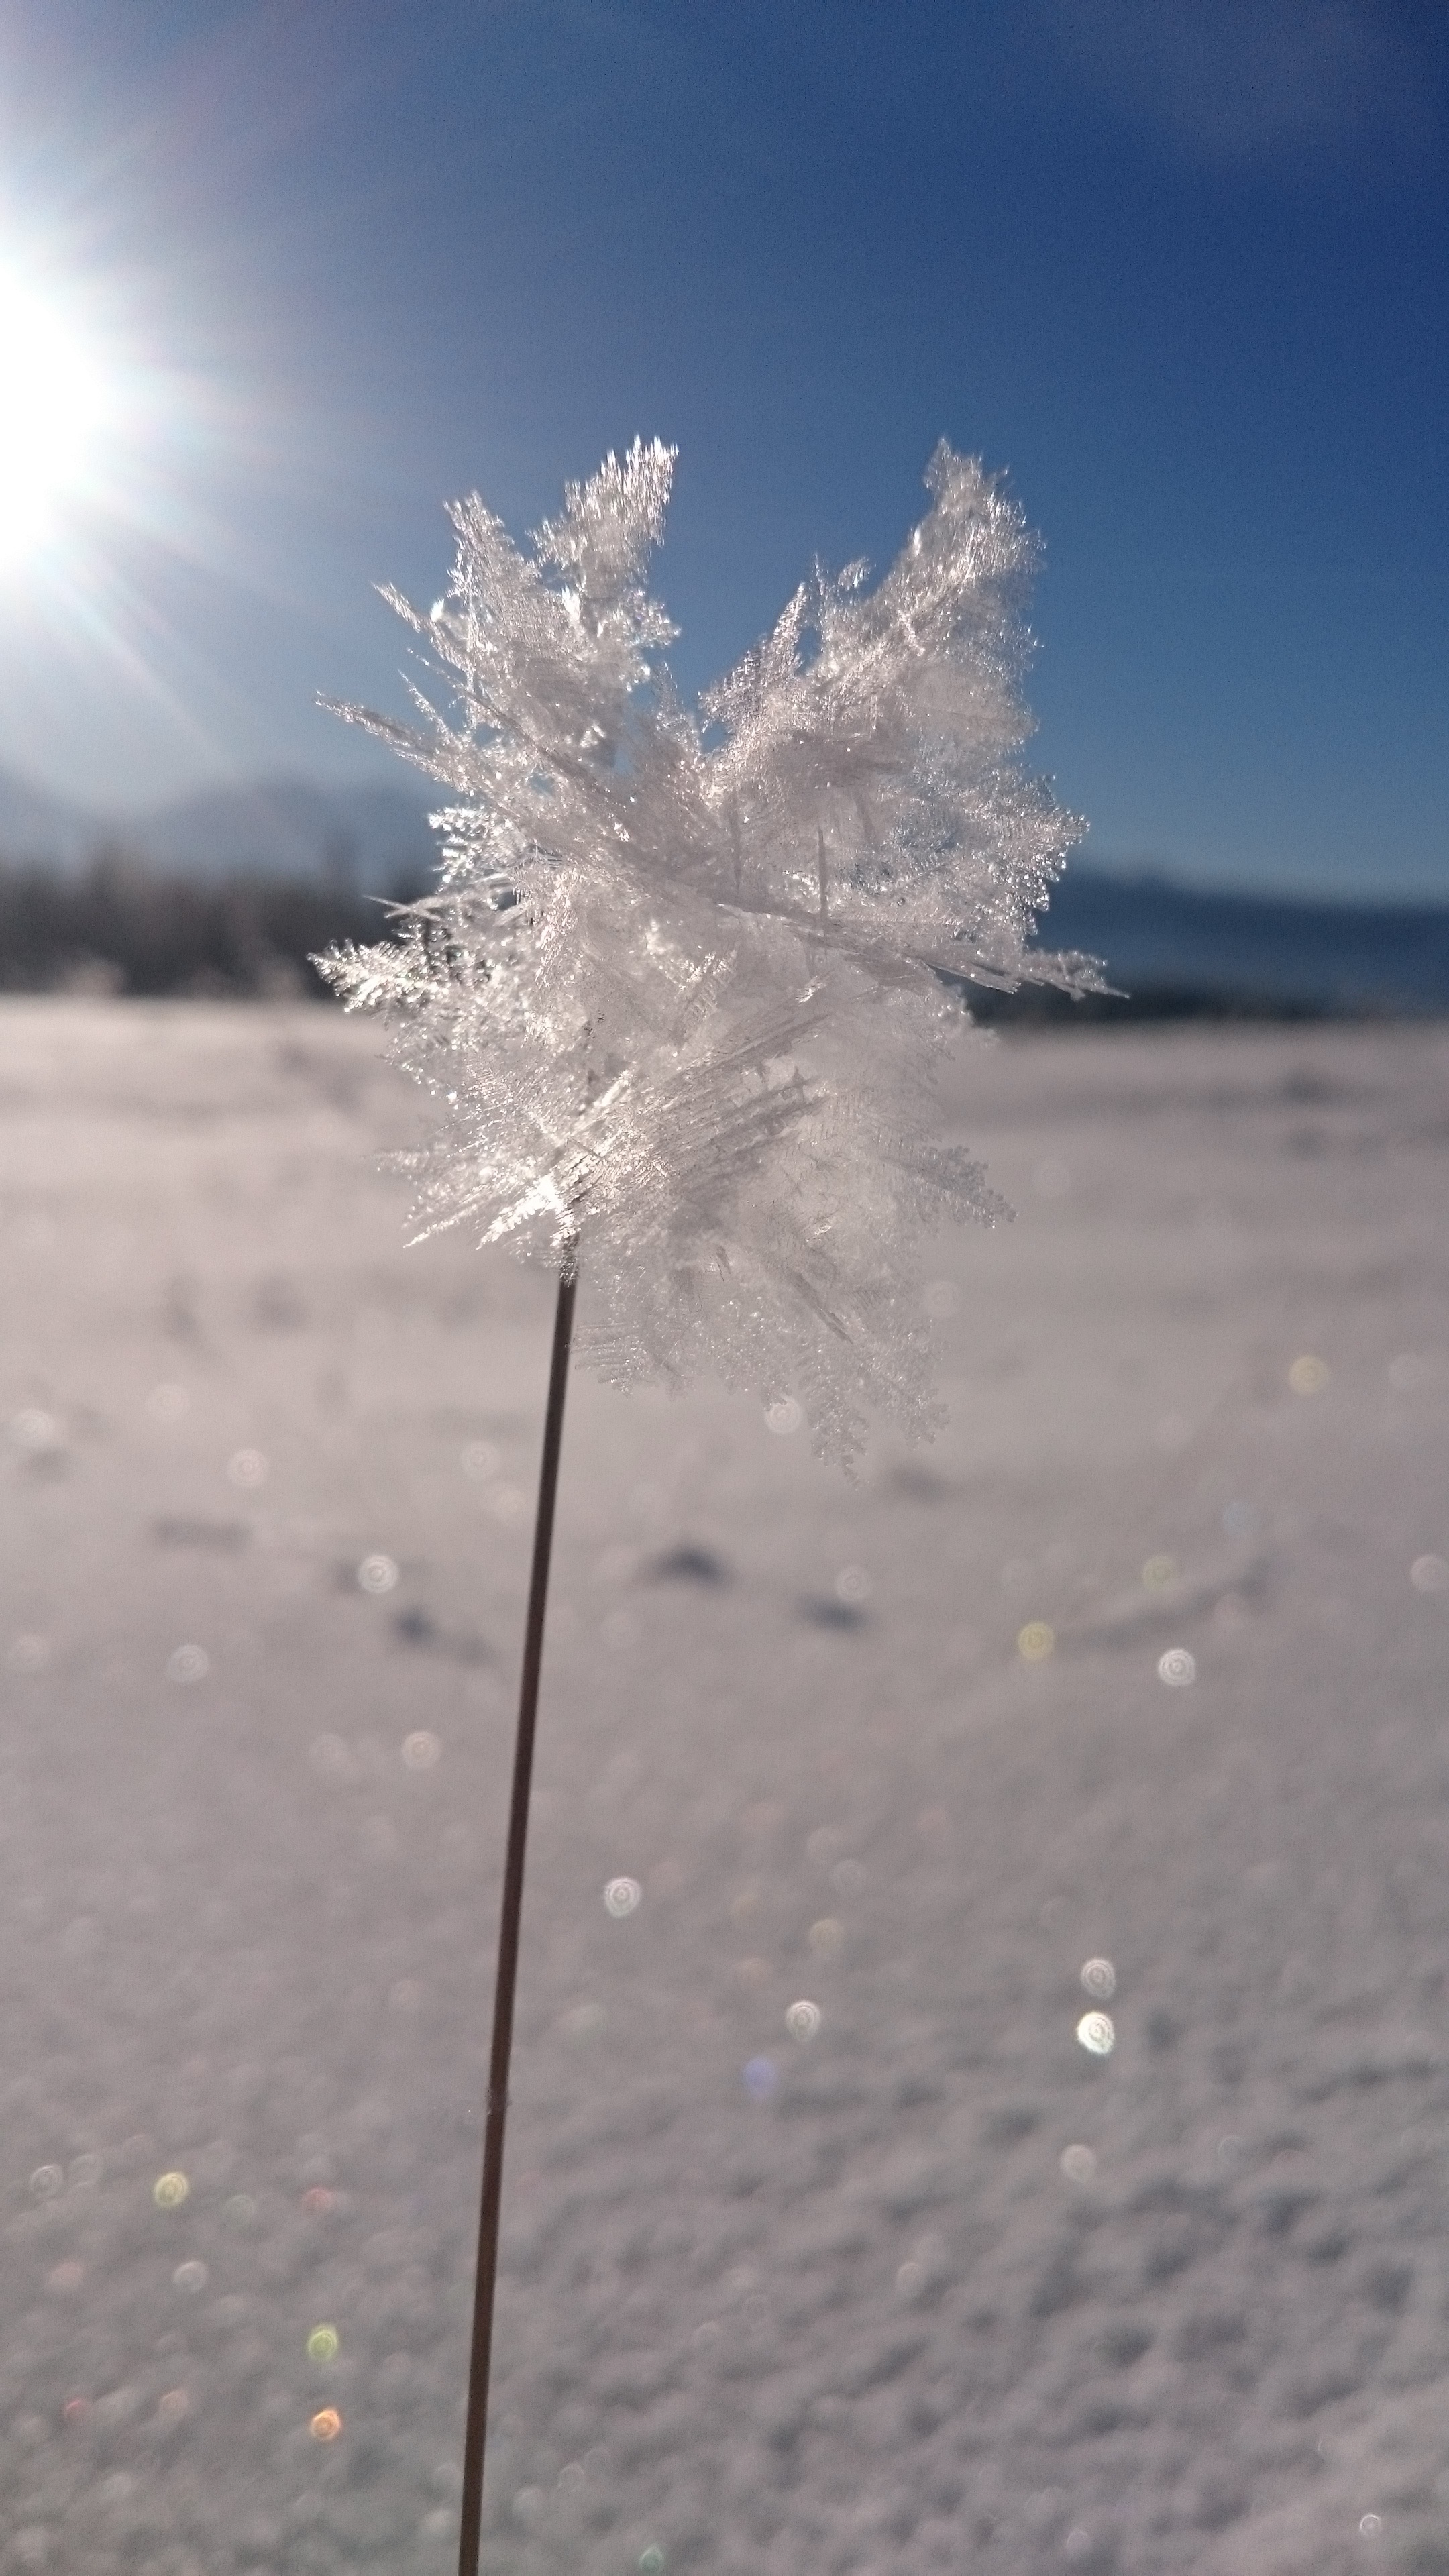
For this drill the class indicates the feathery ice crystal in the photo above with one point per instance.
(683, 990)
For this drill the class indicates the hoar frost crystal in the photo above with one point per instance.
(686, 984)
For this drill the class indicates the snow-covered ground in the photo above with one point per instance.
(936, 2287)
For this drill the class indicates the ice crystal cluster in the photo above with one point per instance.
(684, 990)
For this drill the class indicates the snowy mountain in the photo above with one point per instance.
(1158, 937)
(367, 837)
(36, 825)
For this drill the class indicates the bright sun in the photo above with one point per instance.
(53, 401)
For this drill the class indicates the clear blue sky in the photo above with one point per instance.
(1179, 266)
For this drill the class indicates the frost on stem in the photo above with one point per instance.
(686, 984)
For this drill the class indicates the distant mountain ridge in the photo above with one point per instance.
(1160, 940)
(368, 837)
(36, 825)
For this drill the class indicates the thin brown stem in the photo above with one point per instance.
(480, 2358)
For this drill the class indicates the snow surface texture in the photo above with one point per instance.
(846, 2312)
(681, 993)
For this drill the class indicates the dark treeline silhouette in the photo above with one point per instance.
(120, 928)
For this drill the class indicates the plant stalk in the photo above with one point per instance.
(480, 2357)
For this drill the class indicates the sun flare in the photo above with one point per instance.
(54, 399)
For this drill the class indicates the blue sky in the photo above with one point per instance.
(1178, 266)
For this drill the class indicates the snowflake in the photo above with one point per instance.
(685, 988)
